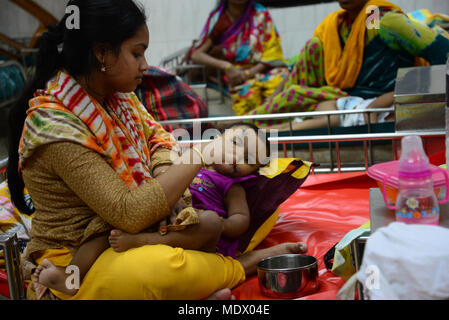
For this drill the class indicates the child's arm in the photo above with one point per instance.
(238, 212)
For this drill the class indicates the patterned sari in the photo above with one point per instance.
(344, 57)
(167, 97)
(250, 40)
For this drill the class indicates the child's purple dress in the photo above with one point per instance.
(208, 191)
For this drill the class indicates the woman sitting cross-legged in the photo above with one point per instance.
(93, 160)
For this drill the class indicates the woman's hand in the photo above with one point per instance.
(177, 208)
(236, 76)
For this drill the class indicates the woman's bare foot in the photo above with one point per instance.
(223, 294)
(250, 260)
(51, 276)
(285, 248)
(121, 241)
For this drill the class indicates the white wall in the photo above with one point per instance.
(15, 22)
(174, 24)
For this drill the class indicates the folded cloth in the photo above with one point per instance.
(342, 264)
(406, 262)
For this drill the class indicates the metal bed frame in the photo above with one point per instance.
(329, 138)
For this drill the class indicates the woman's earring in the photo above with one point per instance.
(103, 67)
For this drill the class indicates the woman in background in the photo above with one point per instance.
(240, 39)
(355, 51)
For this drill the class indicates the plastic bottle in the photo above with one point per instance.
(416, 202)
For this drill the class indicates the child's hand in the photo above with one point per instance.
(177, 208)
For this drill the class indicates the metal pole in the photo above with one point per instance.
(366, 154)
(10, 245)
(331, 157)
(292, 146)
(311, 156)
(338, 157)
(371, 158)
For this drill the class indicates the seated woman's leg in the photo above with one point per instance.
(316, 122)
(309, 66)
(250, 260)
(304, 88)
(159, 272)
(55, 277)
(163, 272)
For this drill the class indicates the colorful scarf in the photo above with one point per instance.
(123, 131)
(342, 67)
(251, 39)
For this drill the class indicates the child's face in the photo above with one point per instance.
(244, 151)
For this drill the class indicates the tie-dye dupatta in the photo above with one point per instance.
(251, 39)
(123, 132)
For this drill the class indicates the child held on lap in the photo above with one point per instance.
(218, 188)
(221, 188)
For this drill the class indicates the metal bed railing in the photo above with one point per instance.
(178, 64)
(356, 137)
(329, 138)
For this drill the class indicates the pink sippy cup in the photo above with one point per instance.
(416, 202)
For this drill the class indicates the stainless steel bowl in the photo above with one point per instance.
(288, 276)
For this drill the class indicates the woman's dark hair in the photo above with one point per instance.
(108, 22)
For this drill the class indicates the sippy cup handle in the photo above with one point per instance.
(385, 195)
(446, 198)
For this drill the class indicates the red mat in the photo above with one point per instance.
(320, 213)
